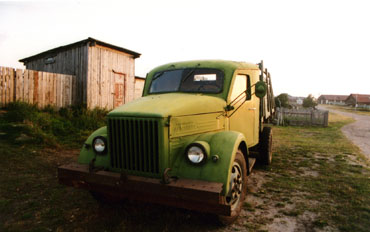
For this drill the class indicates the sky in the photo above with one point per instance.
(309, 47)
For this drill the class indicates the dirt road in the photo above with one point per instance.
(358, 132)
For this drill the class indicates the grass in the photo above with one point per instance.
(34, 142)
(312, 165)
(311, 172)
(349, 109)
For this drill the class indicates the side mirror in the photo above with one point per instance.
(260, 89)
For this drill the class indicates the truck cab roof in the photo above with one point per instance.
(226, 67)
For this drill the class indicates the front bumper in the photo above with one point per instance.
(183, 193)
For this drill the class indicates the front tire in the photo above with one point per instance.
(237, 189)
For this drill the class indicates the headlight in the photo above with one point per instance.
(100, 145)
(196, 153)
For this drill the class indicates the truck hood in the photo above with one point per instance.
(174, 104)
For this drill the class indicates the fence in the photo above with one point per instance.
(302, 117)
(35, 87)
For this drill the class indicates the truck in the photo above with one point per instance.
(190, 141)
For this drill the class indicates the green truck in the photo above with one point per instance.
(190, 141)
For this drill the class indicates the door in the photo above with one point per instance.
(243, 117)
(119, 89)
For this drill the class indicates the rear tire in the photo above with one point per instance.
(265, 146)
(237, 190)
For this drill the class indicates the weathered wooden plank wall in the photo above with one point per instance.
(72, 61)
(35, 87)
(139, 86)
(106, 68)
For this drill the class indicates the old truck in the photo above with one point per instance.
(190, 141)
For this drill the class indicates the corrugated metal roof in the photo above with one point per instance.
(82, 42)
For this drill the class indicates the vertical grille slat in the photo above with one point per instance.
(143, 162)
(156, 152)
(145, 150)
(151, 147)
(110, 145)
(130, 144)
(126, 150)
(116, 161)
(114, 137)
(134, 144)
(120, 145)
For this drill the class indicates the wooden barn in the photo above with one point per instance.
(332, 99)
(105, 73)
(139, 86)
(358, 100)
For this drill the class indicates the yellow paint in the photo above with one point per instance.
(244, 119)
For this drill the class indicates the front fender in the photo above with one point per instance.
(222, 144)
(87, 153)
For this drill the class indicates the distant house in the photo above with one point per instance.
(105, 73)
(295, 102)
(332, 99)
(300, 100)
(358, 100)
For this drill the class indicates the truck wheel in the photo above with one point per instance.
(238, 187)
(265, 146)
(105, 199)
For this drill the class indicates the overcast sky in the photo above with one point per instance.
(309, 47)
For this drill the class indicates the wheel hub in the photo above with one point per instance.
(235, 186)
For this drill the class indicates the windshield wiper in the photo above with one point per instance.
(157, 75)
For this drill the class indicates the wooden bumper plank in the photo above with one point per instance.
(190, 194)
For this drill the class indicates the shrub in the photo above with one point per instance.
(20, 111)
(309, 102)
(49, 126)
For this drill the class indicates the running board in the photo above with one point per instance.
(251, 162)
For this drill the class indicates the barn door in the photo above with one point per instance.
(119, 89)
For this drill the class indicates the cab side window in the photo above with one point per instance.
(241, 84)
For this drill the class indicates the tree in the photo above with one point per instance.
(282, 101)
(309, 102)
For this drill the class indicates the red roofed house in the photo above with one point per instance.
(359, 100)
(332, 99)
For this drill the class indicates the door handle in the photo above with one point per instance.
(252, 108)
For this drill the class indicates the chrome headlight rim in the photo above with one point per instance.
(102, 139)
(202, 148)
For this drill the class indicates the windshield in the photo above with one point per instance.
(198, 80)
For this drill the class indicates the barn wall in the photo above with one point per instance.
(72, 62)
(139, 86)
(105, 68)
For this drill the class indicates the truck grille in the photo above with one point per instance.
(133, 144)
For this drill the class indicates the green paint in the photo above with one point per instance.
(170, 104)
(87, 153)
